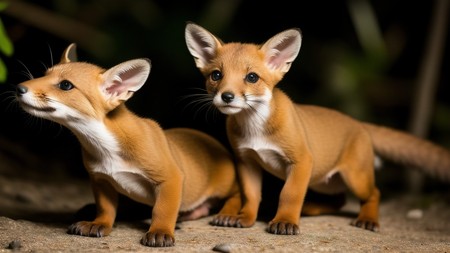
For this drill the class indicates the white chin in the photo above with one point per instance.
(229, 110)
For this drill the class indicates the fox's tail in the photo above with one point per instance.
(409, 150)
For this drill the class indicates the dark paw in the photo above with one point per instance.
(86, 228)
(226, 221)
(152, 239)
(282, 228)
(366, 224)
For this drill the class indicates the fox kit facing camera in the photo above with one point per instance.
(174, 171)
(306, 146)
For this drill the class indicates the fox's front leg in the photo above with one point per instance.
(227, 216)
(165, 213)
(106, 201)
(287, 218)
(250, 175)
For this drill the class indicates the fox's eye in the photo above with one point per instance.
(65, 85)
(216, 75)
(252, 77)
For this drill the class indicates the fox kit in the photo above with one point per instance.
(306, 146)
(174, 171)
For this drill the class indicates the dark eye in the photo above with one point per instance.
(65, 85)
(216, 75)
(252, 77)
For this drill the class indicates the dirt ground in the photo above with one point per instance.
(35, 213)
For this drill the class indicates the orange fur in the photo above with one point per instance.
(309, 147)
(175, 171)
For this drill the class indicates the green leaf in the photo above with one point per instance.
(3, 5)
(6, 46)
(3, 72)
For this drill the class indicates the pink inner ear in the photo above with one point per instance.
(125, 81)
(282, 53)
(116, 87)
(276, 60)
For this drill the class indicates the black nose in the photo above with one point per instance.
(227, 97)
(21, 89)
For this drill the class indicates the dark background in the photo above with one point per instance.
(334, 69)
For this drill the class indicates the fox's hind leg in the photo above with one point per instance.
(368, 215)
(358, 174)
(318, 203)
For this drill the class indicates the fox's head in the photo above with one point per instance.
(241, 76)
(78, 91)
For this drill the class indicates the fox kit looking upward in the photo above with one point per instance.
(176, 170)
(305, 145)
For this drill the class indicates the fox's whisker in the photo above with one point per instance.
(202, 96)
(45, 66)
(213, 111)
(195, 95)
(51, 55)
(197, 102)
(251, 101)
(10, 96)
(196, 98)
(254, 109)
(199, 89)
(27, 71)
(201, 102)
(210, 109)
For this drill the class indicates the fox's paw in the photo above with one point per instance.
(155, 239)
(237, 221)
(225, 221)
(283, 228)
(87, 228)
(366, 224)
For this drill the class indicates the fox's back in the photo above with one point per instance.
(329, 133)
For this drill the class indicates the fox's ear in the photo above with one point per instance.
(121, 81)
(282, 49)
(70, 54)
(201, 44)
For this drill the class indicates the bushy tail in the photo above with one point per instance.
(409, 150)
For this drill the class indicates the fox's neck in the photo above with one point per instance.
(253, 121)
(263, 118)
(95, 135)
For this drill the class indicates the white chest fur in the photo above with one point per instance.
(110, 166)
(256, 146)
(267, 154)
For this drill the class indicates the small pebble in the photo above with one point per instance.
(415, 214)
(222, 247)
(16, 244)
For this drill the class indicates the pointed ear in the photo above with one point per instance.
(70, 54)
(201, 44)
(121, 81)
(282, 49)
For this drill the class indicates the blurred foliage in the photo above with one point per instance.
(6, 46)
(353, 70)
